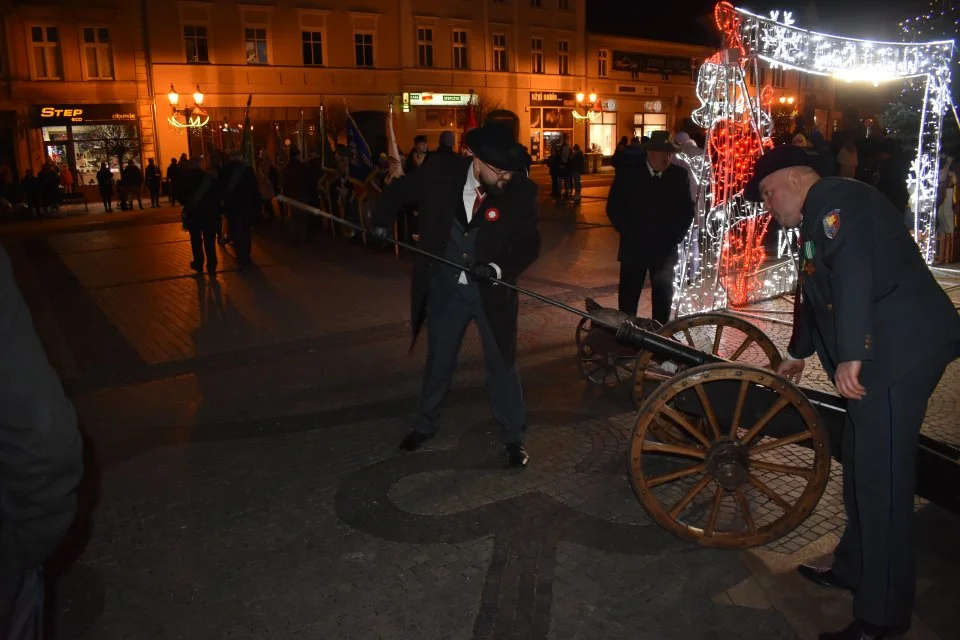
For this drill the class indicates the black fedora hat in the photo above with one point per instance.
(493, 143)
(661, 141)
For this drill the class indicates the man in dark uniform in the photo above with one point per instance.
(649, 205)
(480, 212)
(884, 331)
(241, 202)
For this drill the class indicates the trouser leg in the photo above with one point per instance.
(448, 315)
(661, 290)
(503, 385)
(632, 275)
(196, 246)
(210, 247)
(847, 557)
(884, 478)
(21, 605)
(240, 234)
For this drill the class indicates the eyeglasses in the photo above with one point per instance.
(497, 172)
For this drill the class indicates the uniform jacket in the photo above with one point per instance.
(651, 214)
(512, 241)
(198, 191)
(40, 447)
(866, 293)
(240, 193)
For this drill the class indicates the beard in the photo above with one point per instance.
(495, 187)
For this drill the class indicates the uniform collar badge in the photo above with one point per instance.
(831, 224)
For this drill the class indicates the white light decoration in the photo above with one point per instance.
(721, 261)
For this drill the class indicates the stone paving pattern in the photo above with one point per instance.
(245, 482)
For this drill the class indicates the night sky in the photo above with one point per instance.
(691, 21)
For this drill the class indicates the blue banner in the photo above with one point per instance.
(361, 160)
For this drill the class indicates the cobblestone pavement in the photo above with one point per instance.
(242, 434)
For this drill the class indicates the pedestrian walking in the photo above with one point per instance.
(241, 203)
(479, 212)
(884, 331)
(201, 213)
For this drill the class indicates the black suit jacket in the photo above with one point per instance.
(867, 294)
(651, 214)
(512, 241)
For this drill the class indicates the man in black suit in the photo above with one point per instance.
(480, 212)
(884, 331)
(649, 205)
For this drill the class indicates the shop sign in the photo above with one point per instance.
(427, 99)
(646, 90)
(553, 99)
(59, 114)
(650, 63)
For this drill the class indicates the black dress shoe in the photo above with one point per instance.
(413, 441)
(517, 455)
(860, 630)
(823, 577)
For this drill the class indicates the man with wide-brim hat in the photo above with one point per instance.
(480, 212)
(862, 286)
(650, 206)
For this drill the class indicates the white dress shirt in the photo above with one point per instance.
(470, 195)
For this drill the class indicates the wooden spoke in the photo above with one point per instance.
(780, 442)
(738, 410)
(676, 475)
(745, 509)
(716, 340)
(780, 468)
(770, 493)
(675, 415)
(708, 410)
(714, 511)
(687, 499)
(777, 407)
(660, 447)
(689, 337)
(743, 347)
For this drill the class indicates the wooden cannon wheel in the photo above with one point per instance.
(734, 481)
(600, 358)
(721, 334)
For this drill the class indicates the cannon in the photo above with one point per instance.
(727, 453)
(723, 451)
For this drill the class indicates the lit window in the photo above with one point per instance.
(602, 63)
(255, 43)
(460, 50)
(97, 54)
(499, 52)
(47, 63)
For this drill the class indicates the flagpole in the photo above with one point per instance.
(323, 138)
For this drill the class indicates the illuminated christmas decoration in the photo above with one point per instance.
(723, 260)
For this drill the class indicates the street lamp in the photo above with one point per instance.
(787, 99)
(189, 119)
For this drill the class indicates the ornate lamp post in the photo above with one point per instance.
(190, 116)
(587, 102)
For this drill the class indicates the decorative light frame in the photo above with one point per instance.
(719, 262)
(193, 117)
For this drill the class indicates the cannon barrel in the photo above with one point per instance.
(663, 348)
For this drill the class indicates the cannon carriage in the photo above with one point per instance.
(723, 451)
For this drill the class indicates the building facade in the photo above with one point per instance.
(75, 86)
(94, 81)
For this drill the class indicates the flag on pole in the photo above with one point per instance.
(361, 159)
(393, 152)
(302, 139)
(470, 123)
(246, 144)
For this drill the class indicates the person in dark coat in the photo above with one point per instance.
(884, 330)
(31, 192)
(40, 463)
(299, 184)
(480, 212)
(172, 172)
(241, 202)
(649, 205)
(153, 179)
(132, 179)
(105, 185)
(445, 146)
(201, 213)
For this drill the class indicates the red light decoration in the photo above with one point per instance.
(728, 22)
(742, 256)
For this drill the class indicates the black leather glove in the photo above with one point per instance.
(380, 235)
(483, 273)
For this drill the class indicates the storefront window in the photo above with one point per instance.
(114, 144)
(604, 133)
(646, 123)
